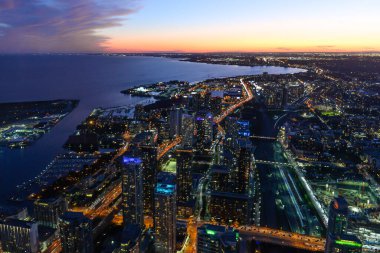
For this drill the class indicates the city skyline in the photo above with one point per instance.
(203, 126)
(182, 26)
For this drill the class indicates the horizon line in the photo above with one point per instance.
(194, 52)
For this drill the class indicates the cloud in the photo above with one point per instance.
(59, 25)
(283, 48)
(326, 46)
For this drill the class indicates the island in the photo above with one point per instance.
(22, 123)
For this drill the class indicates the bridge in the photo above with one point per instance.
(263, 137)
(283, 238)
(273, 163)
(308, 164)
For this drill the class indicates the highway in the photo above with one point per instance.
(167, 147)
(106, 204)
(105, 208)
(278, 177)
(54, 247)
(247, 96)
(280, 237)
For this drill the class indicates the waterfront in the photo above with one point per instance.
(96, 81)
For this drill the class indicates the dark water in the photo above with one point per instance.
(96, 81)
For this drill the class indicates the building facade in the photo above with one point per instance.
(47, 211)
(175, 119)
(132, 191)
(337, 238)
(165, 213)
(215, 239)
(148, 154)
(75, 231)
(184, 176)
(18, 236)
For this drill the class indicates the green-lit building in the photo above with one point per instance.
(212, 238)
(337, 238)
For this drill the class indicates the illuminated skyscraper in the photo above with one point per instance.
(337, 238)
(18, 236)
(149, 164)
(47, 211)
(203, 130)
(175, 119)
(219, 178)
(165, 213)
(132, 185)
(75, 231)
(184, 177)
(201, 101)
(242, 172)
(187, 131)
(227, 207)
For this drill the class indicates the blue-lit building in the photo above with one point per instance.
(215, 239)
(165, 213)
(132, 191)
(337, 238)
(243, 128)
(235, 130)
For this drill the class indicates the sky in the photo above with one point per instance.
(39, 26)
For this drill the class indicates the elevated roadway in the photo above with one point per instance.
(283, 238)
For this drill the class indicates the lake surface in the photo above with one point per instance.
(96, 81)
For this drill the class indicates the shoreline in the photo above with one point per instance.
(41, 157)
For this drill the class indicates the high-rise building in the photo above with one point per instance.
(284, 94)
(187, 131)
(242, 172)
(231, 127)
(243, 128)
(201, 101)
(47, 211)
(228, 207)
(220, 178)
(165, 213)
(18, 236)
(148, 154)
(215, 239)
(203, 130)
(132, 191)
(216, 105)
(337, 238)
(75, 231)
(144, 146)
(184, 176)
(175, 119)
